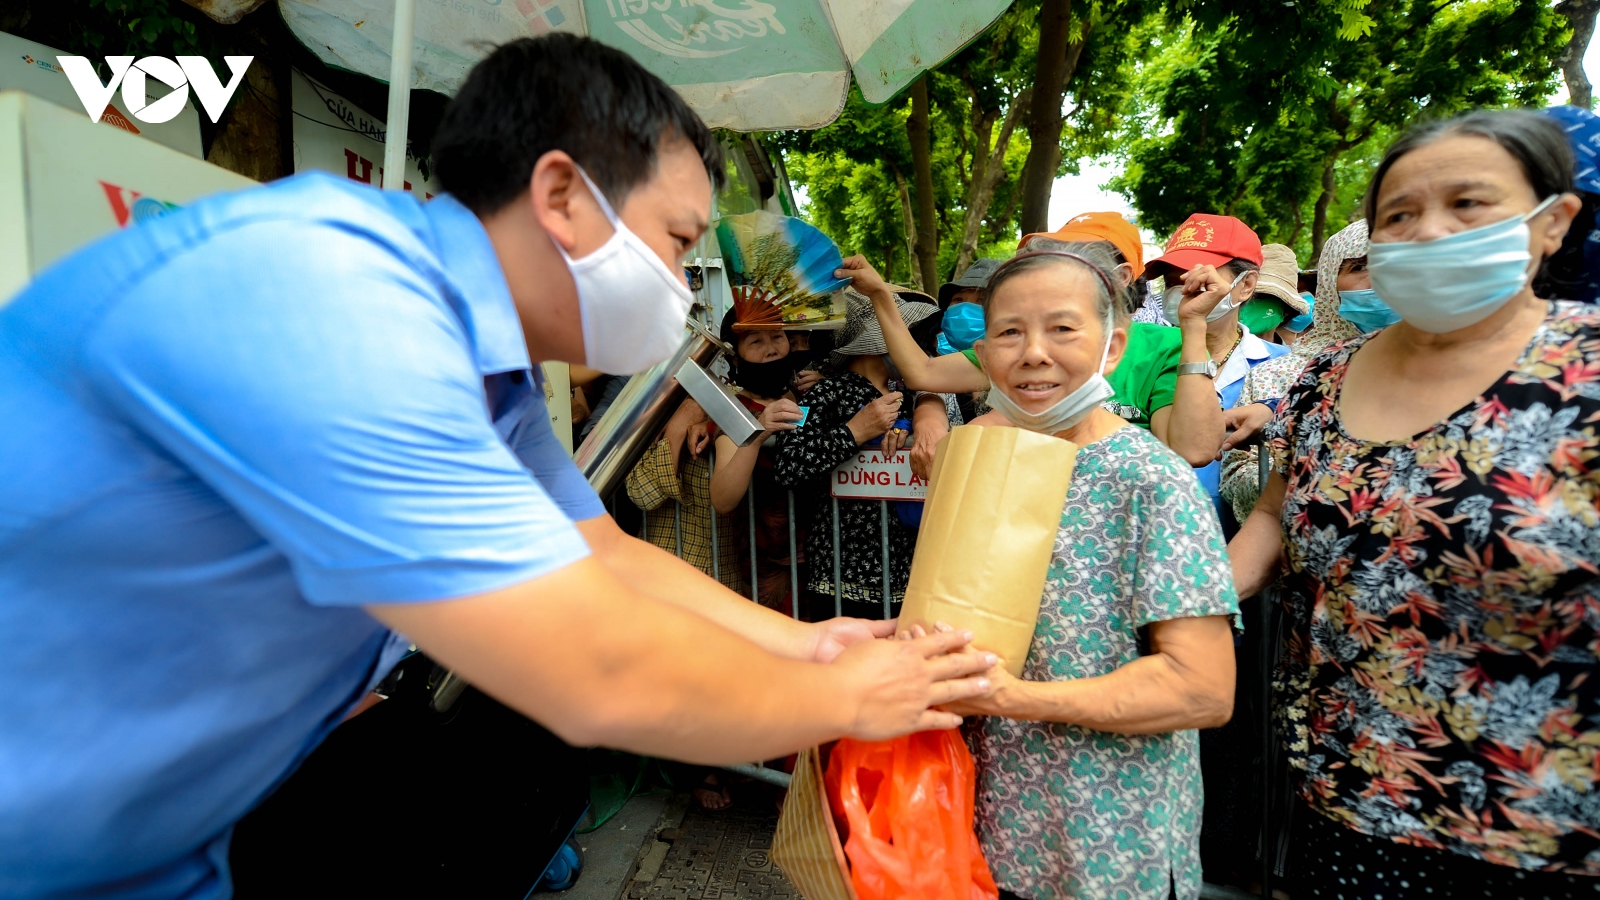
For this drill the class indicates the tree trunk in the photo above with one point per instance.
(1581, 14)
(1319, 216)
(1050, 75)
(910, 223)
(987, 167)
(256, 135)
(977, 198)
(917, 131)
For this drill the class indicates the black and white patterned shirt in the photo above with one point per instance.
(805, 456)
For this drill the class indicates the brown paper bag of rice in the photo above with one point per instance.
(806, 845)
(988, 532)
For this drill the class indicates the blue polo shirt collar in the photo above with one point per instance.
(489, 315)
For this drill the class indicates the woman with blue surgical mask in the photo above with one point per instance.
(1433, 513)
(1359, 304)
(962, 327)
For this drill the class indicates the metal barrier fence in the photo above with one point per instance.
(749, 503)
(757, 770)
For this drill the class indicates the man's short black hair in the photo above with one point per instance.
(561, 92)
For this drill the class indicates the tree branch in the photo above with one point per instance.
(980, 190)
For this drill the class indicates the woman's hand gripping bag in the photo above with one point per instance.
(988, 532)
(905, 807)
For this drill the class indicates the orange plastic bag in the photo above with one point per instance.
(905, 807)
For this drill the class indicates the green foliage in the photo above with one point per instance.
(1122, 35)
(1241, 113)
(141, 28)
(100, 28)
(852, 170)
(1354, 23)
(1233, 107)
(857, 204)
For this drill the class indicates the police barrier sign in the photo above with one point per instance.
(869, 475)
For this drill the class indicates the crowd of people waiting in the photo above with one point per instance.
(1428, 533)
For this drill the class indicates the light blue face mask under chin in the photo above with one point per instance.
(1457, 281)
(1069, 410)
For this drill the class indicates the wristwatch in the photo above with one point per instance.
(1207, 368)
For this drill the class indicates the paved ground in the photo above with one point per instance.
(609, 853)
(663, 847)
(717, 856)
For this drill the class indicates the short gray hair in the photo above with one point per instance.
(1092, 256)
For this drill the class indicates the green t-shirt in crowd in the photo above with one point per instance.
(1147, 378)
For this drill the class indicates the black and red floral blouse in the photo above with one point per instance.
(1441, 682)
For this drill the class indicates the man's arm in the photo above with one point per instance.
(1193, 424)
(598, 663)
(655, 573)
(391, 499)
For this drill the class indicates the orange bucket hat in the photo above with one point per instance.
(1100, 226)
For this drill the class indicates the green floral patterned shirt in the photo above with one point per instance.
(1068, 812)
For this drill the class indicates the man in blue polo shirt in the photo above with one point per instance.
(248, 444)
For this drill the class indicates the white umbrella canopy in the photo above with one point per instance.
(746, 65)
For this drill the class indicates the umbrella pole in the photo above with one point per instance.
(394, 146)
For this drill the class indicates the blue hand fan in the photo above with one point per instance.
(780, 270)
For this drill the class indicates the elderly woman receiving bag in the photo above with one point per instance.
(1088, 768)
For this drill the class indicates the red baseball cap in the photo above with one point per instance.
(1206, 239)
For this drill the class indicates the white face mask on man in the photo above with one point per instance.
(633, 306)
